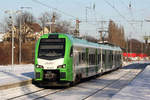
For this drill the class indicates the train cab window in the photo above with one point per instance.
(51, 49)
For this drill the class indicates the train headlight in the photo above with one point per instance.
(40, 66)
(61, 66)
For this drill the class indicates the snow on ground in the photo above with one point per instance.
(138, 89)
(17, 68)
(134, 62)
(17, 73)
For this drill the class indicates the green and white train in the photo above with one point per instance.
(62, 58)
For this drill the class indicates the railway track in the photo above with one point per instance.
(117, 84)
(103, 87)
(39, 93)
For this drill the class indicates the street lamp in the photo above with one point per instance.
(20, 38)
(11, 14)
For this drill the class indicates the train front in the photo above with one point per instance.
(53, 63)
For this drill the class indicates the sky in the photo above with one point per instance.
(131, 14)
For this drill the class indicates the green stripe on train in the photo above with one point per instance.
(67, 59)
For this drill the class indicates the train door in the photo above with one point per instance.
(96, 59)
(80, 63)
(114, 65)
(99, 60)
(103, 60)
(117, 60)
(75, 61)
(110, 59)
(120, 59)
(107, 60)
(92, 62)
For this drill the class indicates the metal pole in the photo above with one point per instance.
(101, 32)
(12, 21)
(50, 28)
(20, 41)
(12, 41)
(127, 49)
(86, 14)
(12, 36)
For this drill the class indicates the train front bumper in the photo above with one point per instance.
(49, 75)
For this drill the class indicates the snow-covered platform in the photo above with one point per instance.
(17, 75)
(138, 89)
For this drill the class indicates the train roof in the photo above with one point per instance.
(84, 43)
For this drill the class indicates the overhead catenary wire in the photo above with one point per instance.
(89, 22)
(115, 9)
(50, 7)
(119, 13)
(67, 14)
(126, 6)
(129, 7)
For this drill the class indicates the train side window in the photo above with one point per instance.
(115, 57)
(103, 57)
(92, 59)
(99, 58)
(84, 57)
(71, 51)
(109, 57)
(80, 58)
(119, 57)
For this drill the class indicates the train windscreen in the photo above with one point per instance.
(51, 48)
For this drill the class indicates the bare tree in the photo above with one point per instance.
(21, 18)
(8, 24)
(116, 34)
(63, 27)
(46, 18)
(24, 17)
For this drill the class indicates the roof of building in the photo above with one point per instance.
(35, 26)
